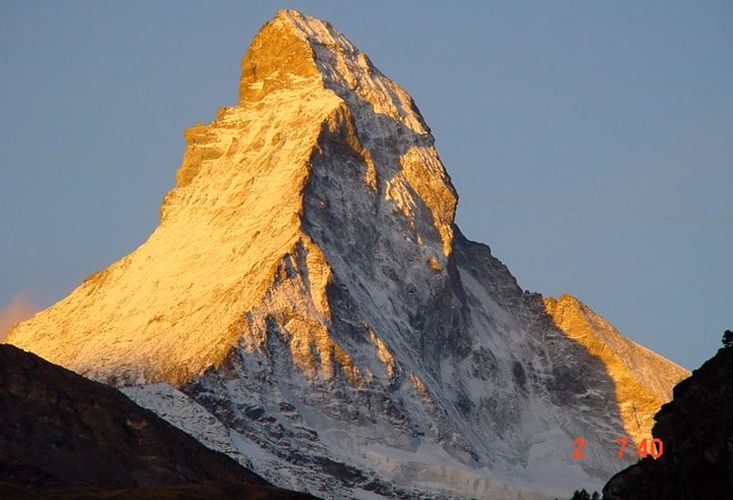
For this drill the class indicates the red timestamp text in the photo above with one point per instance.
(652, 447)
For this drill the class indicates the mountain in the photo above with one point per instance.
(308, 306)
(642, 378)
(696, 429)
(62, 435)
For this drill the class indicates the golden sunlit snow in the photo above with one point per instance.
(643, 379)
(182, 300)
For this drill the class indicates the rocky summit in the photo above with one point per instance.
(308, 306)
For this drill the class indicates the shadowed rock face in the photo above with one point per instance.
(60, 432)
(697, 430)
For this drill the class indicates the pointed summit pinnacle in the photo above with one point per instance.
(279, 57)
(294, 50)
(322, 166)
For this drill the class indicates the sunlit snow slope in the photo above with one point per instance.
(308, 306)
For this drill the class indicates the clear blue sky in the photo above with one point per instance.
(591, 142)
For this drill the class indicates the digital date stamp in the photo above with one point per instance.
(648, 447)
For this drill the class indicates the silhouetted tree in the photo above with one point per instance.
(595, 496)
(581, 495)
(728, 338)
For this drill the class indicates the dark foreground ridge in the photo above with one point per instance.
(697, 430)
(64, 436)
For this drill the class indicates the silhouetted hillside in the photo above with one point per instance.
(697, 430)
(64, 436)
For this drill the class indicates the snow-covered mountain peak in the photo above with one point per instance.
(321, 318)
(378, 119)
(322, 173)
(294, 48)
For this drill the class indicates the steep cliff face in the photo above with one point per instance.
(696, 428)
(308, 305)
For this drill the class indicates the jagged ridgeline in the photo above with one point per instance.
(308, 305)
